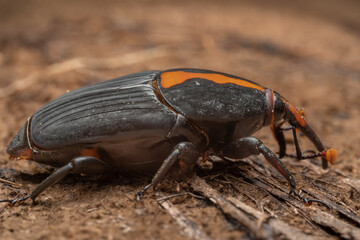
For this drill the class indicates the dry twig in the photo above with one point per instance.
(191, 229)
(257, 224)
(11, 183)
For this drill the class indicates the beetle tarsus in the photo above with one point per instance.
(139, 194)
(322, 202)
(14, 202)
(308, 202)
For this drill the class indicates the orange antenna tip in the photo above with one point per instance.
(331, 155)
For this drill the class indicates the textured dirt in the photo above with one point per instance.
(308, 51)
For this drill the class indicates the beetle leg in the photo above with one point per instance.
(301, 155)
(308, 202)
(247, 146)
(279, 136)
(278, 132)
(186, 153)
(83, 165)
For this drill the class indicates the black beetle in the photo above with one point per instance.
(133, 123)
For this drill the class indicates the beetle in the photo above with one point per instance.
(133, 123)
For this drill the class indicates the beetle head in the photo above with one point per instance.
(296, 118)
(19, 147)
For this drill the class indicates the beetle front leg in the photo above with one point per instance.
(83, 165)
(329, 155)
(186, 153)
(247, 146)
(280, 138)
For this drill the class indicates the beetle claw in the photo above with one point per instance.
(308, 202)
(138, 195)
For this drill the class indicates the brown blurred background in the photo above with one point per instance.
(309, 51)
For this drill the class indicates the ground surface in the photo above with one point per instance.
(309, 52)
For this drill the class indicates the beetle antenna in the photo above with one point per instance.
(330, 155)
(297, 119)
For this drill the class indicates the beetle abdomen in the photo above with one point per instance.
(101, 113)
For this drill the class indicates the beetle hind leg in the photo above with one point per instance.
(82, 165)
(186, 153)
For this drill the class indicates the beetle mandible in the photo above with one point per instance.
(133, 123)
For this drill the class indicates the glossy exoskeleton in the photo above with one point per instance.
(145, 122)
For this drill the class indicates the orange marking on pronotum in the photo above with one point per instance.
(169, 79)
